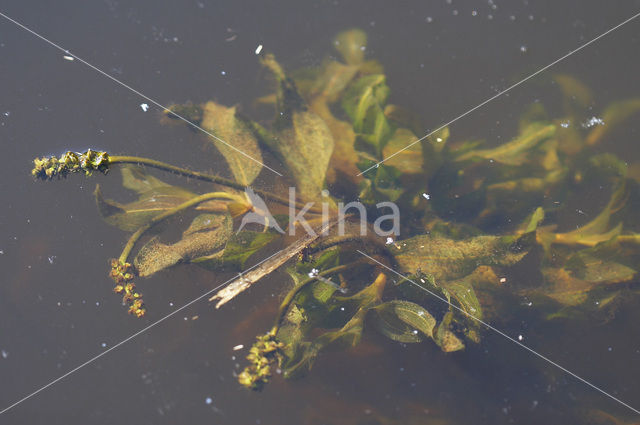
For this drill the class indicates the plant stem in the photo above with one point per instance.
(124, 159)
(284, 306)
(155, 220)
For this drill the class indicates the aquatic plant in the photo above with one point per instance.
(473, 210)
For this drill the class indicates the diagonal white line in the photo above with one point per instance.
(91, 360)
(67, 52)
(498, 331)
(503, 92)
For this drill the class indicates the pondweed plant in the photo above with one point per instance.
(471, 211)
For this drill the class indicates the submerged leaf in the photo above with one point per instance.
(593, 232)
(446, 259)
(517, 151)
(237, 251)
(364, 104)
(241, 144)
(207, 235)
(613, 115)
(444, 336)
(401, 154)
(351, 44)
(154, 197)
(303, 140)
(403, 321)
(577, 96)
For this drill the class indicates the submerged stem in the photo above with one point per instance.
(126, 159)
(185, 205)
(288, 299)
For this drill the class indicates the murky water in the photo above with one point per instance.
(57, 309)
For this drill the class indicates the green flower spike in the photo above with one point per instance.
(123, 274)
(70, 162)
(263, 354)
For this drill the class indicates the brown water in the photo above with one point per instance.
(57, 309)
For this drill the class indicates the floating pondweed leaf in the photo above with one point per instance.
(154, 197)
(206, 236)
(303, 140)
(577, 96)
(600, 264)
(614, 115)
(446, 259)
(303, 353)
(237, 251)
(533, 221)
(593, 232)
(224, 123)
(407, 160)
(534, 113)
(403, 321)
(351, 44)
(240, 144)
(364, 104)
(444, 336)
(515, 152)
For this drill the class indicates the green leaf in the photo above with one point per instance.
(517, 151)
(445, 338)
(206, 236)
(577, 96)
(364, 104)
(154, 197)
(403, 321)
(303, 140)
(593, 232)
(447, 259)
(351, 44)
(398, 154)
(241, 148)
(237, 251)
(306, 353)
(614, 115)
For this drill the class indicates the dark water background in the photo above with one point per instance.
(56, 305)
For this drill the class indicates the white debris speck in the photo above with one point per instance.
(170, 304)
(4, 354)
(238, 347)
(314, 273)
(144, 107)
(439, 139)
(208, 400)
(592, 122)
(258, 49)
(98, 303)
(103, 345)
(223, 72)
(341, 308)
(69, 58)
(415, 332)
(6, 114)
(520, 337)
(474, 13)
(429, 19)
(523, 49)
(1, 252)
(51, 259)
(426, 196)
(389, 241)
(565, 124)
(503, 280)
